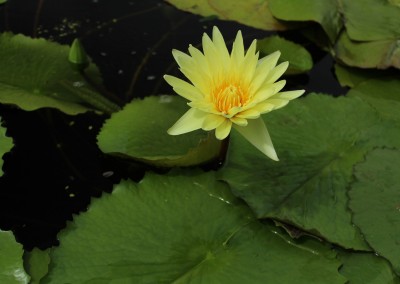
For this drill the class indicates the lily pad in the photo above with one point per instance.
(35, 73)
(6, 143)
(372, 20)
(326, 13)
(180, 229)
(253, 13)
(380, 54)
(36, 263)
(352, 76)
(318, 139)
(361, 268)
(300, 60)
(383, 94)
(139, 132)
(11, 265)
(375, 202)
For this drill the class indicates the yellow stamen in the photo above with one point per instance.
(227, 96)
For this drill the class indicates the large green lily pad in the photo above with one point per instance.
(383, 94)
(180, 229)
(139, 132)
(326, 13)
(6, 143)
(352, 76)
(11, 265)
(299, 58)
(371, 20)
(318, 140)
(253, 13)
(380, 54)
(35, 73)
(361, 268)
(372, 34)
(375, 202)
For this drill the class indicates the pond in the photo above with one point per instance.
(64, 162)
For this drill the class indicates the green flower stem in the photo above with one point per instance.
(92, 98)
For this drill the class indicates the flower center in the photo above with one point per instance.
(228, 96)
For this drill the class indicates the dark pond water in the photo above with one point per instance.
(55, 166)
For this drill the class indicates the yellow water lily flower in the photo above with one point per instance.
(230, 90)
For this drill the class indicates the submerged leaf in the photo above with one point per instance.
(11, 266)
(181, 229)
(34, 73)
(6, 143)
(139, 132)
(375, 202)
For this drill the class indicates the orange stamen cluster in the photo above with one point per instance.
(227, 96)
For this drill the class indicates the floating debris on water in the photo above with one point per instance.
(78, 84)
(108, 174)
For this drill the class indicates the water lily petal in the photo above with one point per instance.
(222, 131)
(210, 53)
(264, 107)
(277, 72)
(279, 85)
(249, 114)
(289, 95)
(257, 134)
(183, 88)
(199, 58)
(183, 59)
(237, 54)
(249, 64)
(198, 75)
(233, 111)
(251, 51)
(264, 66)
(197, 79)
(239, 121)
(268, 90)
(192, 120)
(204, 106)
(212, 121)
(271, 58)
(220, 46)
(278, 103)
